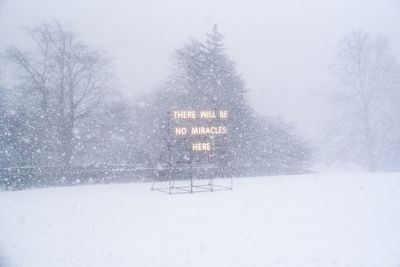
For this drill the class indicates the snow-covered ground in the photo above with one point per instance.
(333, 219)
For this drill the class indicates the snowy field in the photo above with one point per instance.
(332, 219)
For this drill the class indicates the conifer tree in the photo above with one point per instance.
(204, 78)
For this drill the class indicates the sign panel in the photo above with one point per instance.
(200, 127)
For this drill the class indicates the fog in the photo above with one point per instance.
(283, 49)
(115, 114)
(93, 83)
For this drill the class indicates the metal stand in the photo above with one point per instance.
(191, 187)
(188, 165)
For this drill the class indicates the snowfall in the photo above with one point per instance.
(320, 219)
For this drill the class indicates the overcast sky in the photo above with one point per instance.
(283, 48)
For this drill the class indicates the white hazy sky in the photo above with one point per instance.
(283, 48)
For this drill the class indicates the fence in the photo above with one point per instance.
(18, 178)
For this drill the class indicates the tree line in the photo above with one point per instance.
(63, 110)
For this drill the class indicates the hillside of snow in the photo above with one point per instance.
(333, 219)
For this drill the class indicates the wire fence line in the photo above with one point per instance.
(23, 177)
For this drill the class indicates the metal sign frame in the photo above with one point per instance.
(188, 165)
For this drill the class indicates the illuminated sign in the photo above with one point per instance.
(192, 124)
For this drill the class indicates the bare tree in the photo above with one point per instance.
(67, 77)
(368, 76)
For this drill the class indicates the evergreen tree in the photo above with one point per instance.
(204, 78)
